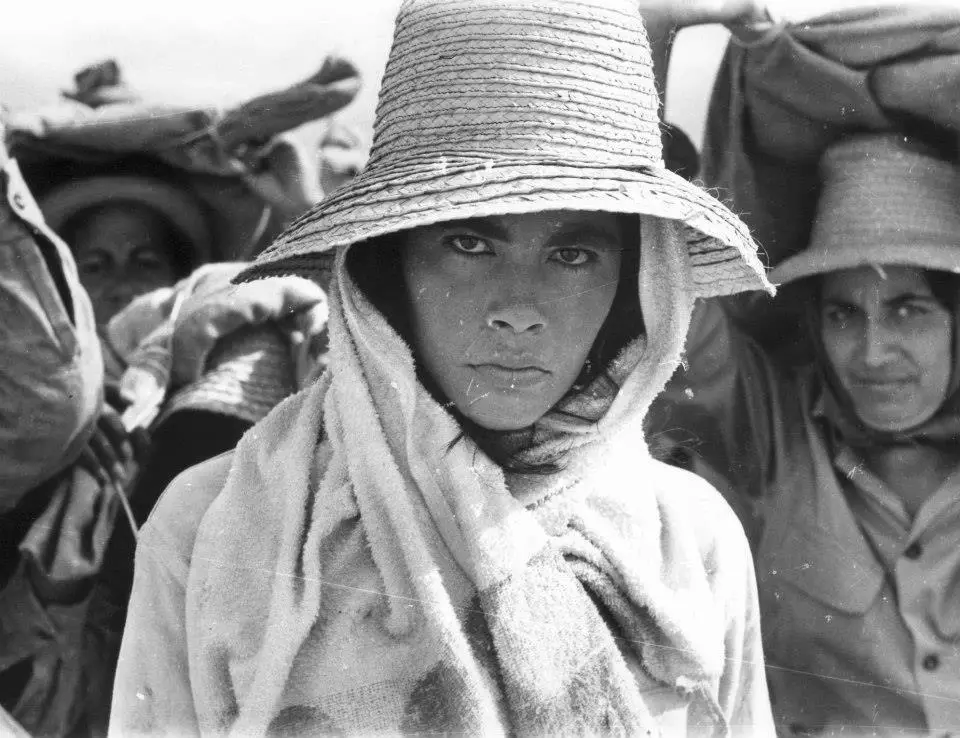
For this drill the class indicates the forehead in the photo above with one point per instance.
(119, 226)
(542, 224)
(874, 282)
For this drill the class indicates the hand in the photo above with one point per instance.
(112, 454)
(683, 13)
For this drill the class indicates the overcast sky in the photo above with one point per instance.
(212, 51)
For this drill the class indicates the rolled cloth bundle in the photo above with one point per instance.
(780, 102)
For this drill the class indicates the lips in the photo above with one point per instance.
(881, 385)
(513, 375)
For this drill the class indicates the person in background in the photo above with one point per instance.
(849, 462)
(457, 528)
(59, 446)
(129, 234)
(123, 251)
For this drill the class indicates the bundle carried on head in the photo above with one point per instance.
(781, 102)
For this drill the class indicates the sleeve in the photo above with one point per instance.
(723, 403)
(153, 690)
(51, 375)
(743, 693)
(152, 694)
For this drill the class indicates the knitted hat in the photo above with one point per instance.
(490, 107)
(885, 200)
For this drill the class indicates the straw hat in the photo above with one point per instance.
(884, 200)
(489, 107)
(248, 373)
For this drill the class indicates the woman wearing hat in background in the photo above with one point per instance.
(458, 528)
(851, 461)
(130, 235)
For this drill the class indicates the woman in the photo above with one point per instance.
(124, 250)
(443, 533)
(852, 463)
(844, 465)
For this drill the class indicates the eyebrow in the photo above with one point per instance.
(909, 297)
(894, 301)
(488, 227)
(579, 234)
(492, 227)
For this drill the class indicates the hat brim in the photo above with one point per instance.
(384, 200)
(814, 262)
(172, 203)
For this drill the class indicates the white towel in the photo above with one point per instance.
(358, 570)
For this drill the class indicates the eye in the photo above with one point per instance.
(93, 265)
(837, 316)
(471, 245)
(910, 310)
(573, 257)
(149, 261)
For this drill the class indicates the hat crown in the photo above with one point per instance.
(507, 80)
(886, 189)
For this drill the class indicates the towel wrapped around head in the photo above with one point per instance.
(355, 571)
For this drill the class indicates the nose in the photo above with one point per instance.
(512, 302)
(877, 344)
(519, 318)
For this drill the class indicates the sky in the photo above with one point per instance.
(215, 52)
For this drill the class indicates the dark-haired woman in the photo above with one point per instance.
(124, 250)
(458, 528)
(852, 463)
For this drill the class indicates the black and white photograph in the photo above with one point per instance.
(480, 368)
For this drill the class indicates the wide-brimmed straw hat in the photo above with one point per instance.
(491, 107)
(886, 199)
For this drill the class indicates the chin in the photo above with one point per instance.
(893, 422)
(497, 417)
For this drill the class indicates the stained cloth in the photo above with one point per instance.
(386, 579)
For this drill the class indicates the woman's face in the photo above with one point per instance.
(505, 309)
(890, 343)
(120, 255)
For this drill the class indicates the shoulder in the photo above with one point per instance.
(682, 492)
(688, 502)
(175, 519)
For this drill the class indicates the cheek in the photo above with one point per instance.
(95, 284)
(933, 351)
(442, 314)
(840, 348)
(580, 319)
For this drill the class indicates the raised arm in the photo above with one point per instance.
(724, 402)
(664, 18)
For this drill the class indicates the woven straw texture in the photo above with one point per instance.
(884, 201)
(249, 372)
(510, 106)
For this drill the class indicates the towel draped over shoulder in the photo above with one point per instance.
(356, 571)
